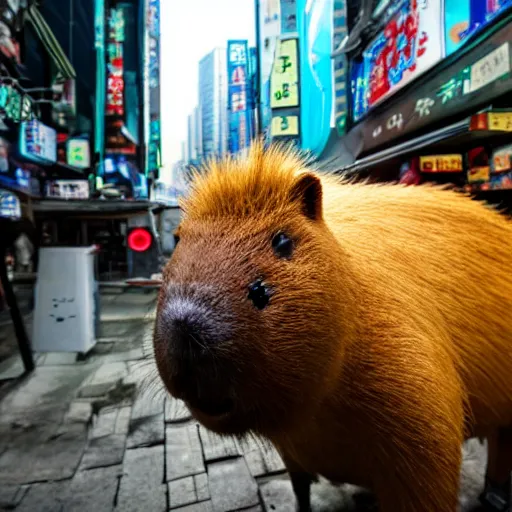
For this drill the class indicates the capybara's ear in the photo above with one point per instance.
(307, 190)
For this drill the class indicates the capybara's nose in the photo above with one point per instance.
(182, 324)
(186, 334)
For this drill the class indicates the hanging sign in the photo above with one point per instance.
(79, 153)
(285, 126)
(284, 81)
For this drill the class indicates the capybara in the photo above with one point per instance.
(364, 329)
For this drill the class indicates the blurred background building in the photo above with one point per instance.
(212, 103)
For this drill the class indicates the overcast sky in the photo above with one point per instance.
(189, 30)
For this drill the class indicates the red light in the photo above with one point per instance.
(139, 240)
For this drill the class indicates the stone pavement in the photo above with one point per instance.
(97, 433)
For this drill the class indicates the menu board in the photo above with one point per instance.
(284, 81)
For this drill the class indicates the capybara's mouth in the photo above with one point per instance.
(214, 409)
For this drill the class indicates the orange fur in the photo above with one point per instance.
(389, 339)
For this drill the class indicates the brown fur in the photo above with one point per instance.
(388, 340)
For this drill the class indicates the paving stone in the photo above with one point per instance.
(146, 406)
(273, 461)
(123, 420)
(93, 490)
(146, 431)
(250, 448)
(127, 355)
(104, 451)
(205, 506)
(60, 358)
(79, 412)
(262, 458)
(141, 486)
(278, 495)
(105, 424)
(46, 386)
(183, 452)
(255, 463)
(201, 485)
(105, 379)
(176, 411)
(231, 485)
(182, 492)
(11, 495)
(46, 497)
(217, 447)
(43, 454)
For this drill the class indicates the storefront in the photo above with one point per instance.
(429, 96)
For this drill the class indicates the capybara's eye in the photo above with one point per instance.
(282, 245)
(259, 294)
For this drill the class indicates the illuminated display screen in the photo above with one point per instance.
(285, 125)
(38, 142)
(284, 81)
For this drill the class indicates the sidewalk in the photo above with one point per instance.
(99, 434)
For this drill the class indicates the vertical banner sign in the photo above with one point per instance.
(239, 100)
(115, 81)
(154, 85)
(269, 32)
(284, 81)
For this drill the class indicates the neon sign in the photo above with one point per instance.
(115, 80)
(409, 45)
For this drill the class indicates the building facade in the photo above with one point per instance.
(213, 103)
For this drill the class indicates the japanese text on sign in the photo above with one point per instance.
(490, 68)
(441, 163)
(284, 79)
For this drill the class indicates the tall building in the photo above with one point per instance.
(213, 103)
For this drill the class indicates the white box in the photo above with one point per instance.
(66, 313)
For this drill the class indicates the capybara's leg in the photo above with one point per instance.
(301, 483)
(497, 491)
(419, 420)
(427, 485)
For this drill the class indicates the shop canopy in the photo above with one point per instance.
(65, 70)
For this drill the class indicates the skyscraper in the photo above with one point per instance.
(213, 103)
(194, 149)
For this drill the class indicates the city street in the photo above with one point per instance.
(96, 433)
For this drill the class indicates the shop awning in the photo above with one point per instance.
(65, 69)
